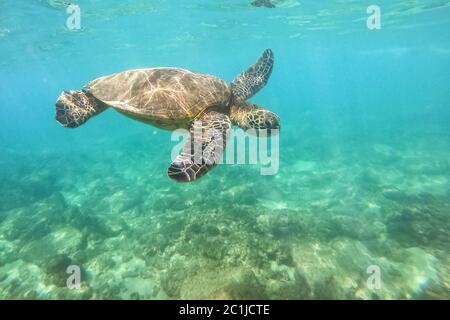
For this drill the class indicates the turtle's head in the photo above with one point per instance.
(250, 116)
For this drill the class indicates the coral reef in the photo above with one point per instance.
(309, 232)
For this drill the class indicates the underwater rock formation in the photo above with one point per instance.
(311, 235)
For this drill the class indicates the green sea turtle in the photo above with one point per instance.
(173, 98)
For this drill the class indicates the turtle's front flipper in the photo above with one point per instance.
(254, 78)
(203, 148)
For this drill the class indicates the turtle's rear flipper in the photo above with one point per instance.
(254, 78)
(203, 148)
(73, 108)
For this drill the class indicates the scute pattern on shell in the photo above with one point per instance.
(159, 95)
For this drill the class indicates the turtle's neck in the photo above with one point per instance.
(238, 112)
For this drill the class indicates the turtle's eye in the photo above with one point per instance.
(271, 121)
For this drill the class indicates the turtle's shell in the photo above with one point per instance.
(165, 97)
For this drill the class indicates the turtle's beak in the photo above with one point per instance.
(271, 121)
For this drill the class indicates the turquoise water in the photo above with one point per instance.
(364, 155)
